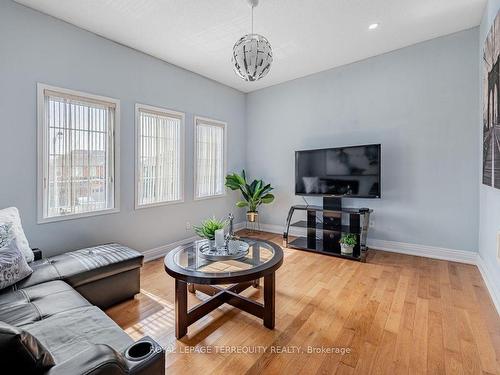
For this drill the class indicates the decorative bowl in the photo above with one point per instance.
(235, 249)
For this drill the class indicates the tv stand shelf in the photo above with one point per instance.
(324, 228)
(319, 226)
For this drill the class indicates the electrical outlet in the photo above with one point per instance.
(188, 225)
(498, 246)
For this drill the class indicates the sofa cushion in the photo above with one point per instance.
(94, 263)
(21, 351)
(13, 265)
(69, 333)
(11, 215)
(38, 302)
(43, 271)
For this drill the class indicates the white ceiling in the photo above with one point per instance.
(307, 36)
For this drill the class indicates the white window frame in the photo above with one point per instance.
(166, 112)
(223, 125)
(42, 152)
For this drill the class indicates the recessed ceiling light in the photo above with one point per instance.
(373, 26)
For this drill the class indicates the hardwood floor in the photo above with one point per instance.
(395, 314)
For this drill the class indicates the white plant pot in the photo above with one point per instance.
(346, 249)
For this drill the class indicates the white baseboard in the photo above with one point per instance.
(493, 288)
(273, 228)
(426, 251)
(161, 251)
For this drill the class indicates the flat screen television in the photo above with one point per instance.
(352, 171)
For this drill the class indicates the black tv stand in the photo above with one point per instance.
(332, 203)
(324, 227)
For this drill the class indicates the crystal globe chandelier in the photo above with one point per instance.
(252, 54)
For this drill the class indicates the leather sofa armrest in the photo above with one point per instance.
(37, 253)
(98, 359)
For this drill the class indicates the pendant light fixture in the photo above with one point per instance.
(252, 54)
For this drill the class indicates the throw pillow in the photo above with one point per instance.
(13, 265)
(11, 215)
(21, 352)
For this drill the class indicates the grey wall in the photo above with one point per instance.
(37, 48)
(419, 102)
(489, 198)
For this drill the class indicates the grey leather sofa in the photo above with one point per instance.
(60, 305)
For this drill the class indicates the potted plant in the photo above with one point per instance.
(208, 228)
(254, 194)
(347, 243)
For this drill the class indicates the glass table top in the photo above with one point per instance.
(189, 258)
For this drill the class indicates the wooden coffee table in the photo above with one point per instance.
(187, 267)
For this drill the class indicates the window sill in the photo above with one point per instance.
(160, 204)
(53, 219)
(210, 197)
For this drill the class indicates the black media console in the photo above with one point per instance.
(324, 226)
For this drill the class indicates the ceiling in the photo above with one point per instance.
(307, 36)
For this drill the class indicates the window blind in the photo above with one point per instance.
(78, 139)
(159, 158)
(210, 158)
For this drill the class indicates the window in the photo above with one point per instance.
(210, 158)
(76, 154)
(159, 156)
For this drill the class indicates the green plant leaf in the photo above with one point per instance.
(254, 185)
(266, 189)
(240, 179)
(241, 204)
(268, 198)
(245, 195)
(231, 182)
(257, 190)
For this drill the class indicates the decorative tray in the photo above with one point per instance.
(235, 249)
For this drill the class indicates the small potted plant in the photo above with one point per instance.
(347, 243)
(208, 228)
(254, 194)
